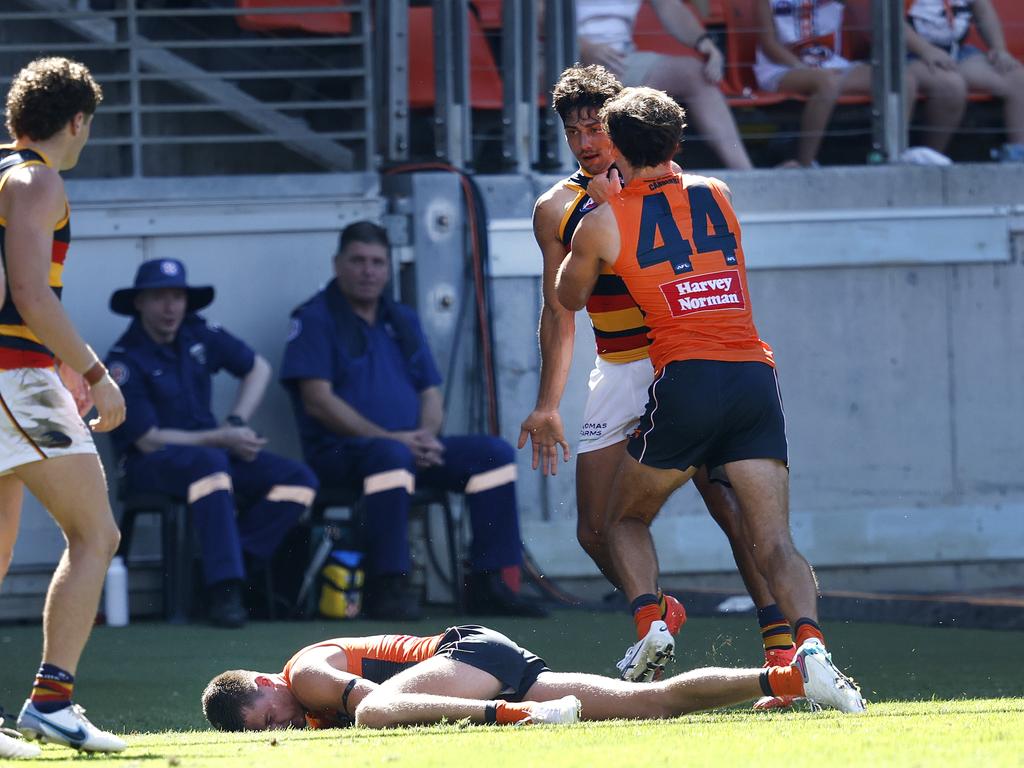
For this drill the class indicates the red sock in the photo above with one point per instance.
(643, 617)
(507, 712)
(805, 629)
(512, 575)
(784, 681)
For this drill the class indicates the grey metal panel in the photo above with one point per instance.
(393, 80)
(452, 132)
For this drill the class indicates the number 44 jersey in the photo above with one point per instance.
(682, 260)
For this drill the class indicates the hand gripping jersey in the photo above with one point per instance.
(682, 260)
(19, 346)
(618, 323)
(376, 658)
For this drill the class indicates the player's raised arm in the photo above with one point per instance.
(556, 332)
(596, 240)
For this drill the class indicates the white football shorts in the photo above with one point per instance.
(38, 419)
(618, 396)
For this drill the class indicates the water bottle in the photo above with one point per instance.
(115, 594)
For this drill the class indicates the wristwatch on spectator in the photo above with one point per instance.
(234, 420)
(700, 40)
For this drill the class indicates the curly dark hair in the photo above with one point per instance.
(47, 94)
(226, 696)
(645, 125)
(581, 87)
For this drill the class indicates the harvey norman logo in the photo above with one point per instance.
(704, 293)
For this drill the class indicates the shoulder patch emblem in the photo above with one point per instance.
(294, 329)
(198, 352)
(118, 372)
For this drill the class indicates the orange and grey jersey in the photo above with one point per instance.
(19, 346)
(376, 658)
(619, 329)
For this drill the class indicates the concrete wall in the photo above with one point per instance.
(901, 373)
(891, 296)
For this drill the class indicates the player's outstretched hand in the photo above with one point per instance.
(546, 433)
(109, 404)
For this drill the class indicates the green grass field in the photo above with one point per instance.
(937, 695)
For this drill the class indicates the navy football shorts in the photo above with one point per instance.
(516, 668)
(711, 412)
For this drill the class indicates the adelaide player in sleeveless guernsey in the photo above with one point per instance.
(618, 323)
(19, 347)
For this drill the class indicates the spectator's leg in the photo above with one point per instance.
(945, 94)
(386, 471)
(821, 87)
(484, 468)
(281, 490)
(10, 514)
(683, 78)
(202, 476)
(982, 76)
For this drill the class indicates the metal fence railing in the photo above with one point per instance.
(202, 89)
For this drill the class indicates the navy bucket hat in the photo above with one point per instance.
(160, 273)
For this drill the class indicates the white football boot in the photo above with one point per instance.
(646, 658)
(563, 711)
(68, 727)
(12, 747)
(824, 684)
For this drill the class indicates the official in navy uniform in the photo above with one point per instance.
(171, 442)
(367, 397)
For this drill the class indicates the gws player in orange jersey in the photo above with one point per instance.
(472, 672)
(622, 370)
(675, 241)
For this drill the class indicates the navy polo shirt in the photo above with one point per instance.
(169, 386)
(380, 384)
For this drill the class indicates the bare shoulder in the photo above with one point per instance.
(550, 207)
(693, 179)
(318, 660)
(38, 187)
(597, 232)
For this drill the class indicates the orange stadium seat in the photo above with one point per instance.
(339, 23)
(649, 35)
(485, 88)
(741, 43)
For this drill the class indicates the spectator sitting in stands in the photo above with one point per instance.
(172, 444)
(936, 37)
(605, 30)
(366, 396)
(799, 52)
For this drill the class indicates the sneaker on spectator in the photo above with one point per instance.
(923, 156)
(1009, 153)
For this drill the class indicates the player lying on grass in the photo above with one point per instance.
(471, 672)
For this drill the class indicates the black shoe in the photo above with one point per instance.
(391, 597)
(226, 608)
(488, 595)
